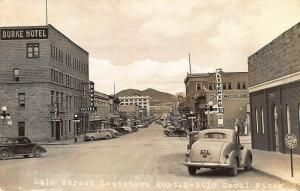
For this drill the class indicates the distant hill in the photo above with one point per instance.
(157, 96)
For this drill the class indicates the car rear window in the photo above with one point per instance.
(214, 136)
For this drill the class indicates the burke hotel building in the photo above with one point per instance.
(43, 75)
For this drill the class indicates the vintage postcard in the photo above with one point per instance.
(149, 95)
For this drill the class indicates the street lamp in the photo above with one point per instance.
(4, 115)
(76, 120)
(192, 117)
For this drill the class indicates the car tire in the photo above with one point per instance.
(92, 139)
(107, 137)
(248, 166)
(192, 170)
(25, 156)
(36, 152)
(4, 155)
(234, 170)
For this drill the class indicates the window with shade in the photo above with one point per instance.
(33, 50)
(16, 74)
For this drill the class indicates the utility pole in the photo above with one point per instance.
(190, 63)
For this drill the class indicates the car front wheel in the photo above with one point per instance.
(4, 155)
(92, 139)
(192, 170)
(107, 137)
(36, 152)
(234, 170)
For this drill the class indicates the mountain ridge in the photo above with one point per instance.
(154, 94)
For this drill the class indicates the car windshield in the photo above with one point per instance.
(214, 136)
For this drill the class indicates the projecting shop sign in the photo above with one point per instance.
(219, 91)
(25, 33)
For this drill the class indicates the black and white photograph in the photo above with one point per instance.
(149, 95)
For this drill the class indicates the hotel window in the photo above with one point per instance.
(69, 126)
(229, 85)
(210, 86)
(256, 119)
(21, 100)
(16, 74)
(52, 98)
(51, 51)
(224, 86)
(67, 102)
(61, 100)
(70, 104)
(243, 85)
(33, 50)
(56, 99)
(238, 86)
(56, 53)
(198, 86)
(21, 128)
(288, 120)
(262, 121)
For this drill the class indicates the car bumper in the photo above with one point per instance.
(206, 164)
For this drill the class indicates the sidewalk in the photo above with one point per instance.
(63, 141)
(277, 165)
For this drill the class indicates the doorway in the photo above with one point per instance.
(275, 126)
(57, 130)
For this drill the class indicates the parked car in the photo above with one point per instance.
(98, 134)
(127, 128)
(134, 128)
(114, 133)
(122, 131)
(173, 131)
(19, 146)
(218, 149)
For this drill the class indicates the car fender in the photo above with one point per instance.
(42, 149)
(233, 156)
(246, 155)
(10, 152)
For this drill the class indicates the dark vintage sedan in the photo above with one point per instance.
(19, 146)
(173, 131)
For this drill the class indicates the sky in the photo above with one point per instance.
(145, 44)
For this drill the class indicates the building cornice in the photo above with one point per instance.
(276, 82)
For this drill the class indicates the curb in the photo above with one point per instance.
(296, 185)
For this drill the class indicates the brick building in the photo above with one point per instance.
(107, 111)
(43, 79)
(201, 88)
(274, 79)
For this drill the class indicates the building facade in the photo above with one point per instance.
(100, 118)
(43, 82)
(201, 88)
(274, 78)
(142, 101)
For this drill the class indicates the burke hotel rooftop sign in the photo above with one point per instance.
(24, 33)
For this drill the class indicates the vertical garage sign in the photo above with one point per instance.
(219, 95)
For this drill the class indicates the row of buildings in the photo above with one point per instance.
(266, 98)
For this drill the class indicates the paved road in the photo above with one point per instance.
(145, 160)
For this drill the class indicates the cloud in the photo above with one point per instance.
(145, 38)
(142, 74)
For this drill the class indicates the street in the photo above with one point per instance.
(145, 160)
